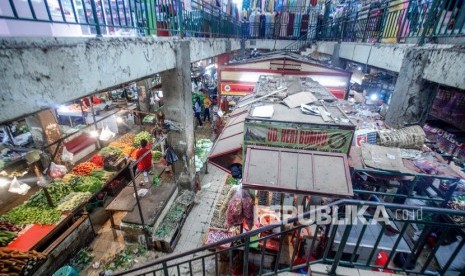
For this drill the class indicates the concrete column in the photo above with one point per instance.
(335, 59)
(143, 96)
(413, 96)
(177, 94)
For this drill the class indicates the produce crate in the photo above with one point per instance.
(115, 189)
(168, 244)
(226, 232)
(115, 165)
(95, 203)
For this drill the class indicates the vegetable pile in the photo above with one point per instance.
(14, 262)
(202, 148)
(84, 168)
(156, 155)
(98, 160)
(28, 215)
(128, 150)
(73, 200)
(8, 226)
(57, 191)
(240, 208)
(140, 136)
(110, 151)
(127, 139)
(6, 237)
(216, 235)
(117, 145)
(170, 221)
(88, 184)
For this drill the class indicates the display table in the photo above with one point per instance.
(152, 204)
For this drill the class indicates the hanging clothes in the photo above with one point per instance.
(298, 19)
(170, 156)
(290, 24)
(262, 25)
(277, 25)
(284, 22)
(270, 25)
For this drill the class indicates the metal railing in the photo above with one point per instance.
(280, 248)
(120, 17)
(396, 21)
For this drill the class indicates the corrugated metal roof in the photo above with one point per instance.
(297, 171)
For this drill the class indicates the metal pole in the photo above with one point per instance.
(95, 15)
(179, 14)
(134, 184)
(93, 117)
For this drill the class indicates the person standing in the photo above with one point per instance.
(206, 104)
(144, 165)
(198, 111)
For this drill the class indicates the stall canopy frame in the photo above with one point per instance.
(228, 147)
(297, 171)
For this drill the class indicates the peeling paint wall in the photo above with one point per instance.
(39, 73)
(267, 44)
(447, 66)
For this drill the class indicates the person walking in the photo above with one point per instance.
(198, 111)
(206, 104)
(144, 165)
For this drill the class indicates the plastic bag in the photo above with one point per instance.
(57, 171)
(67, 156)
(106, 134)
(234, 211)
(240, 207)
(426, 165)
(18, 187)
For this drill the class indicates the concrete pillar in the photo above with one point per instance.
(413, 96)
(177, 94)
(335, 59)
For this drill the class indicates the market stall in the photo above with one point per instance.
(53, 217)
(240, 78)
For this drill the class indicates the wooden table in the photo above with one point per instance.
(152, 204)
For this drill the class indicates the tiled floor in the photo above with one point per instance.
(198, 221)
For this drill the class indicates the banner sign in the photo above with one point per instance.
(300, 137)
(236, 89)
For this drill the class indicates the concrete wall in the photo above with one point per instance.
(267, 44)
(446, 66)
(39, 73)
(384, 56)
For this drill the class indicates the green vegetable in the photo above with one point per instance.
(231, 181)
(107, 151)
(140, 136)
(6, 237)
(30, 215)
(88, 184)
(57, 191)
(148, 119)
(73, 200)
(100, 174)
(156, 155)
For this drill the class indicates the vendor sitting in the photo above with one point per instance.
(144, 165)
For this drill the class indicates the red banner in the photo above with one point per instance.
(236, 89)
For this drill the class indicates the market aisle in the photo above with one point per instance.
(198, 221)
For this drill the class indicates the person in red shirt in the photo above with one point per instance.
(145, 165)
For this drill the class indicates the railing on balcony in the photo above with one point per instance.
(396, 21)
(117, 17)
(304, 244)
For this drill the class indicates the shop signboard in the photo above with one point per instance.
(236, 89)
(299, 136)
